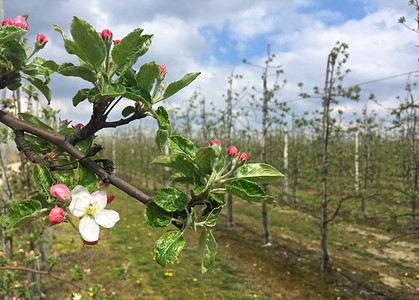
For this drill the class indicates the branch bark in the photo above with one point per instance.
(62, 142)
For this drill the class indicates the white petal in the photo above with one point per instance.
(106, 218)
(80, 199)
(100, 198)
(89, 229)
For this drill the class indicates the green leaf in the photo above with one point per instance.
(85, 145)
(147, 75)
(258, 172)
(213, 216)
(128, 111)
(156, 216)
(37, 144)
(135, 49)
(209, 159)
(43, 178)
(168, 247)
(93, 95)
(41, 86)
(121, 51)
(80, 96)
(10, 33)
(78, 71)
(179, 144)
(248, 190)
(65, 177)
(15, 54)
(87, 178)
(180, 178)
(51, 65)
(164, 127)
(208, 247)
(178, 162)
(21, 213)
(89, 42)
(113, 90)
(139, 94)
(176, 86)
(170, 199)
(70, 46)
(35, 121)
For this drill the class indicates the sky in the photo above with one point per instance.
(213, 37)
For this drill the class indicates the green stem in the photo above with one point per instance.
(71, 222)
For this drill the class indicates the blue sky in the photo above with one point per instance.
(214, 36)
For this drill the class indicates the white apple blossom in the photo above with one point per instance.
(91, 207)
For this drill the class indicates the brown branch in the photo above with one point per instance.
(399, 237)
(23, 147)
(120, 122)
(335, 213)
(50, 275)
(61, 142)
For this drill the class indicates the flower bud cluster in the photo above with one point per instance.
(19, 21)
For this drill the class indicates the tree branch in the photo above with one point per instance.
(50, 275)
(61, 142)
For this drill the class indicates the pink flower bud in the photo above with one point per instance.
(60, 191)
(104, 184)
(79, 126)
(232, 150)
(162, 70)
(56, 216)
(110, 198)
(106, 33)
(6, 22)
(243, 156)
(90, 243)
(124, 265)
(20, 21)
(40, 39)
(12, 99)
(215, 142)
(116, 42)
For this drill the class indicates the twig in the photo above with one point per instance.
(335, 213)
(399, 237)
(61, 142)
(50, 275)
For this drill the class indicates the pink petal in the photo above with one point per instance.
(89, 229)
(80, 199)
(101, 198)
(106, 218)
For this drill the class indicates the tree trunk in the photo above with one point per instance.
(285, 166)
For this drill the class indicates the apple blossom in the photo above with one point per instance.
(215, 142)
(56, 215)
(20, 21)
(60, 191)
(106, 34)
(6, 22)
(109, 198)
(79, 126)
(232, 150)
(90, 243)
(243, 156)
(41, 40)
(162, 70)
(91, 207)
(76, 296)
(104, 184)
